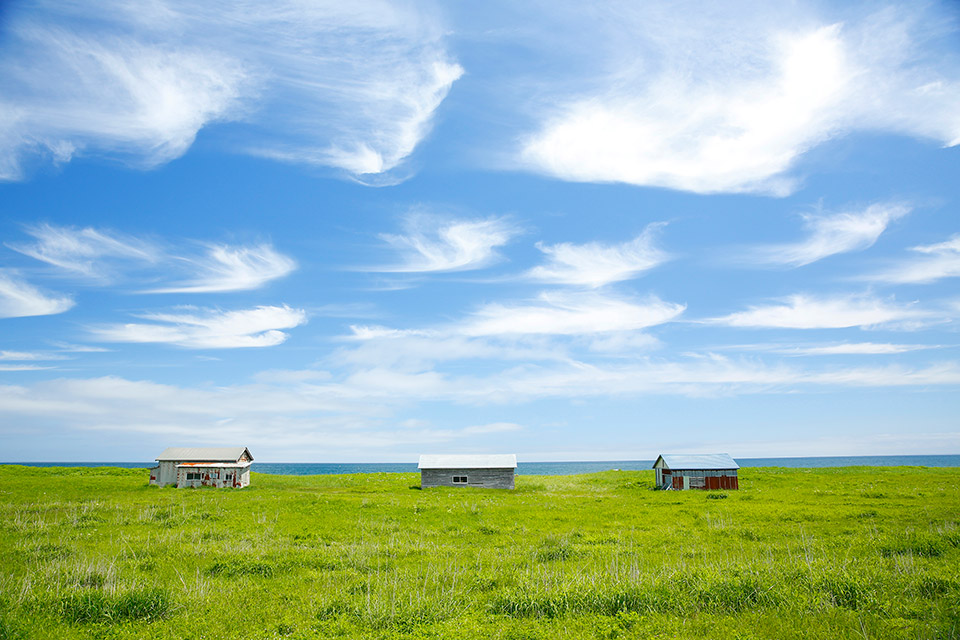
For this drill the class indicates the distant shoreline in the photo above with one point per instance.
(553, 468)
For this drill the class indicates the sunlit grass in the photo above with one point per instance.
(839, 553)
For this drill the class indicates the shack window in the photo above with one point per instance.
(193, 476)
(459, 479)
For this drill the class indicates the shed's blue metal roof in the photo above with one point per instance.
(697, 461)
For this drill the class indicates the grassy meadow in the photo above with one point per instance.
(795, 553)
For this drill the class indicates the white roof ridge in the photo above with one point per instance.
(468, 461)
(203, 454)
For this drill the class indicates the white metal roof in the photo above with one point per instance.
(479, 461)
(203, 454)
(213, 465)
(696, 461)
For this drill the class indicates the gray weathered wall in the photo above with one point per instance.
(167, 473)
(483, 478)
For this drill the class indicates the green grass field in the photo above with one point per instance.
(821, 553)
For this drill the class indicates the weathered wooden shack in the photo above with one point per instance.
(696, 471)
(203, 467)
(491, 471)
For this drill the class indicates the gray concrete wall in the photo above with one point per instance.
(481, 478)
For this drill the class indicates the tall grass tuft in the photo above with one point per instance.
(555, 548)
(847, 591)
(923, 545)
(95, 606)
(11, 627)
(141, 604)
(233, 567)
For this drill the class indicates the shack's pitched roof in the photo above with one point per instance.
(203, 454)
(696, 461)
(483, 461)
(213, 465)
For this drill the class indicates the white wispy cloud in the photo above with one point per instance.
(26, 360)
(414, 349)
(565, 313)
(493, 427)
(594, 264)
(353, 87)
(88, 252)
(859, 348)
(835, 348)
(21, 355)
(22, 367)
(934, 262)
(333, 415)
(361, 95)
(375, 332)
(381, 124)
(19, 299)
(208, 329)
(100, 91)
(432, 244)
(725, 98)
(811, 312)
(544, 329)
(287, 376)
(832, 234)
(107, 256)
(233, 268)
(714, 375)
(66, 347)
(559, 313)
(292, 422)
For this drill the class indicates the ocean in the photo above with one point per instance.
(549, 468)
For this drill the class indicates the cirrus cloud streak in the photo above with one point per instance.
(934, 262)
(351, 87)
(594, 264)
(431, 244)
(107, 256)
(20, 299)
(802, 311)
(208, 329)
(832, 234)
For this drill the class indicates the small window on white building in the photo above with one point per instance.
(459, 479)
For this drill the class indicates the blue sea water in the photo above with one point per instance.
(549, 468)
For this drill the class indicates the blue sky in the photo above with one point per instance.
(338, 233)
